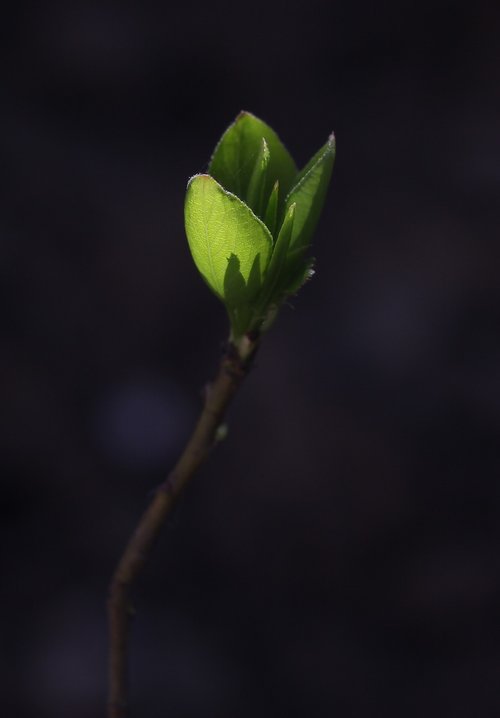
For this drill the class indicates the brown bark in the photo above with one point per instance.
(218, 395)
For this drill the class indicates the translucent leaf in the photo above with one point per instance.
(231, 247)
(309, 194)
(234, 157)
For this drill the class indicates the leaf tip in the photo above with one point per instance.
(242, 114)
(198, 176)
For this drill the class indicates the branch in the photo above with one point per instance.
(233, 369)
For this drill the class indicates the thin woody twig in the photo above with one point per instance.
(233, 369)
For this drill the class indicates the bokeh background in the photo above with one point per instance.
(340, 554)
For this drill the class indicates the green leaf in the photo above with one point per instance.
(234, 157)
(309, 194)
(231, 247)
(256, 187)
(271, 213)
(279, 257)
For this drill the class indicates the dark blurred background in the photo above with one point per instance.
(340, 554)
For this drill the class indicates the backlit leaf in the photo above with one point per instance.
(230, 245)
(309, 194)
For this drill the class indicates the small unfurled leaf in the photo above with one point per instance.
(257, 185)
(231, 247)
(309, 193)
(271, 213)
(279, 257)
(234, 157)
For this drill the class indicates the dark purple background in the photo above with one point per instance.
(340, 553)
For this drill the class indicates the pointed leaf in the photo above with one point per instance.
(256, 187)
(230, 245)
(309, 194)
(271, 213)
(279, 255)
(234, 157)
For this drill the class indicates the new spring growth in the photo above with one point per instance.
(250, 221)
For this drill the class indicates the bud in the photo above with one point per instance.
(250, 220)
